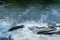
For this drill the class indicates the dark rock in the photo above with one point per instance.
(45, 32)
(52, 30)
(16, 27)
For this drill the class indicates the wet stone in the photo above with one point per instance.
(16, 27)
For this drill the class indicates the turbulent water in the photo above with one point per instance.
(33, 15)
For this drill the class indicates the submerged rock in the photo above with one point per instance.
(54, 30)
(46, 30)
(15, 28)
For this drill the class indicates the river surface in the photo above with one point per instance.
(32, 15)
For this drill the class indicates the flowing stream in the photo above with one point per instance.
(33, 15)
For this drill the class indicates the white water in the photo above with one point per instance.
(32, 16)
